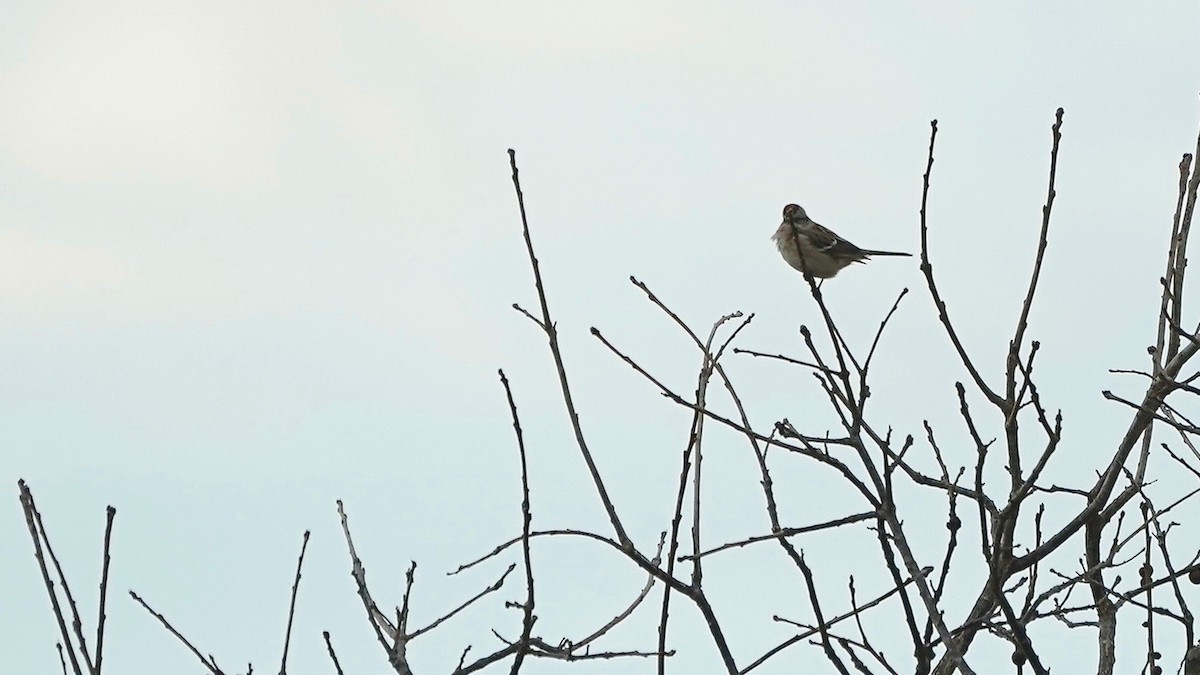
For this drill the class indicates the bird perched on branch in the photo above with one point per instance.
(824, 253)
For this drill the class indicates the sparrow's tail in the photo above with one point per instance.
(886, 253)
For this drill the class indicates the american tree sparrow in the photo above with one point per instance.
(824, 253)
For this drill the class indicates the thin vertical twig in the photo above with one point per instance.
(1043, 240)
(927, 270)
(287, 636)
(398, 652)
(1146, 578)
(111, 513)
(673, 547)
(547, 325)
(359, 573)
(526, 524)
(695, 439)
(1165, 310)
(32, 518)
(706, 371)
(1180, 243)
(332, 654)
(76, 620)
(1012, 401)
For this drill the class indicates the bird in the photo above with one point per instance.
(824, 252)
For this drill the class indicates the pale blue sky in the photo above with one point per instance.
(256, 257)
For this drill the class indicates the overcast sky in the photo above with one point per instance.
(257, 257)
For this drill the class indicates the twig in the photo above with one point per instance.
(359, 574)
(786, 532)
(547, 651)
(927, 269)
(208, 662)
(829, 624)
(533, 535)
(495, 586)
(1180, 244)
(526, 520)
(624, 614)
(110, 514)
(547, 324)
(781, 357)
(76, 620)
(287, 636)
(879, 333)
(1043, 237)
(32, 520)
(332, 654)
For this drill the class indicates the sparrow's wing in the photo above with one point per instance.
(826, 241)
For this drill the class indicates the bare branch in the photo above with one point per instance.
(927, 269)
(547, 325)
(287, 636)
(359, 573)
(208, 661)
(332, 654)
(786, 532)
(829, 624)
(110, 514)
(37, 534)
(526, 520)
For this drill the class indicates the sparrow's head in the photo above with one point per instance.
(793, 213)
